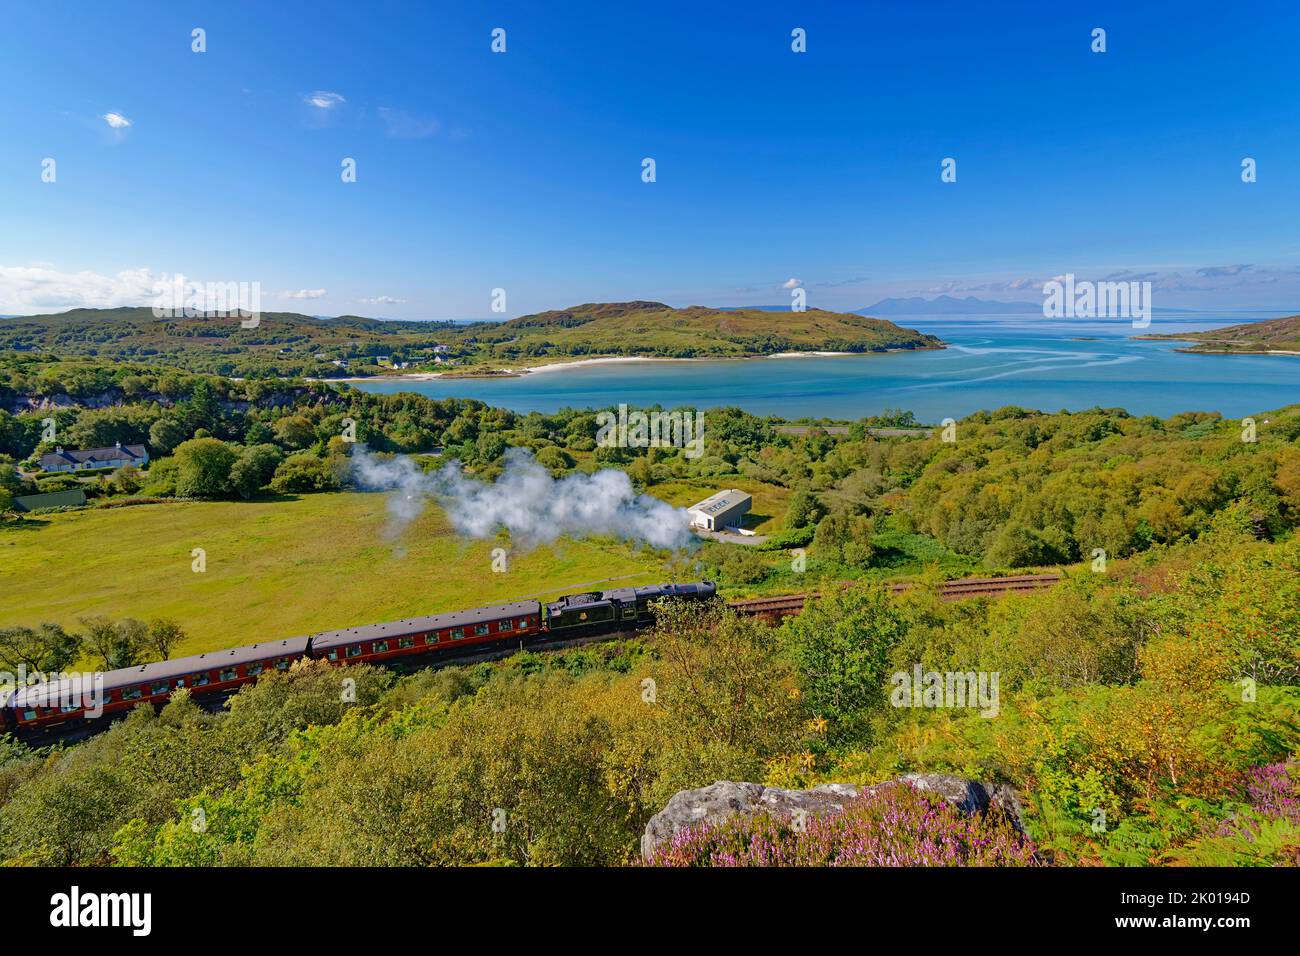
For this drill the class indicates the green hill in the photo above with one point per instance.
(1275, 335)
(292, 344)
(652, 328)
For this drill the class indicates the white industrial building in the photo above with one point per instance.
(720, 511)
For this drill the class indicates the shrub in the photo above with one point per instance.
(304, 472)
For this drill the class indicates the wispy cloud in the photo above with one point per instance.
(791, 283)
(301, 294)
(837, 283)
(382, 300)
(324, 100)
(116, 120)
(1214, 272)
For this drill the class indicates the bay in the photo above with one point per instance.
(990, 362)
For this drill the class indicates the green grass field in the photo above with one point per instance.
(276, 568)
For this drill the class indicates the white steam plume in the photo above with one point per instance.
(526, 501)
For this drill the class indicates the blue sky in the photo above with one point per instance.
(522, 170)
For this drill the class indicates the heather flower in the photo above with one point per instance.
(894, 826)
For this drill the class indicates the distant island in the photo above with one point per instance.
(289, 344)
(949, 305)
(970, 305)
(1271, 337)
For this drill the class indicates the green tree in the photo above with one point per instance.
(254, 469)
(44, 648)
(803, 510)
(117, 644)
(166, 433)
(728, 696)
(126, 480)
(841, 645)
(490, 446)
(294, 432)
(304, 472)
(162, 637)
(203, 408)
(203, 468)
(845, 539)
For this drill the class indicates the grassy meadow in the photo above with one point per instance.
(277, 568)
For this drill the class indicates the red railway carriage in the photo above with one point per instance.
(377, 643)
(81, 697)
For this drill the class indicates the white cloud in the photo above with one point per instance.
(301, 294)
(382, 300)
(116, 120)
(35, 289)
(791, 283)
(324, 100)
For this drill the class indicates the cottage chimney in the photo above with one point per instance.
(117, 444)
(58, 450)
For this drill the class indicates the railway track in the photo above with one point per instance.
(774, 608)
(788, 604)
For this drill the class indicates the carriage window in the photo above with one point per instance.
(503, 626)
(354, 650)
(333, 655)
(29, 713)
(132, 693)
(252, 670)
(406, 642)
(431, 638)
(379, 647)
(282, 664)
(457, 633)
(69, 708)
(481, 629)
(179, 683)
(161, 687)
(228, 674)
(202, 679)
(523, 622)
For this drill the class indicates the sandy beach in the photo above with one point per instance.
(576, 363)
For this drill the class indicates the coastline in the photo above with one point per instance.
(603, 360)
(1195, 351)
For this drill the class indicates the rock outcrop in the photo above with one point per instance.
(725, 799)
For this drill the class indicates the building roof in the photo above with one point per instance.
(419, 625)
(72, 498)
(722, 501)
(109, 455)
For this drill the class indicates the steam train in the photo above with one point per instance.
(78, 703)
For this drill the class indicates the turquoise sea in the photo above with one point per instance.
(990, 362)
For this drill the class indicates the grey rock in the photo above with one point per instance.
(727, 798)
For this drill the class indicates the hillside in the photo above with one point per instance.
(284, 343)
(653, 328)
(291, 344)
(1273, 336)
